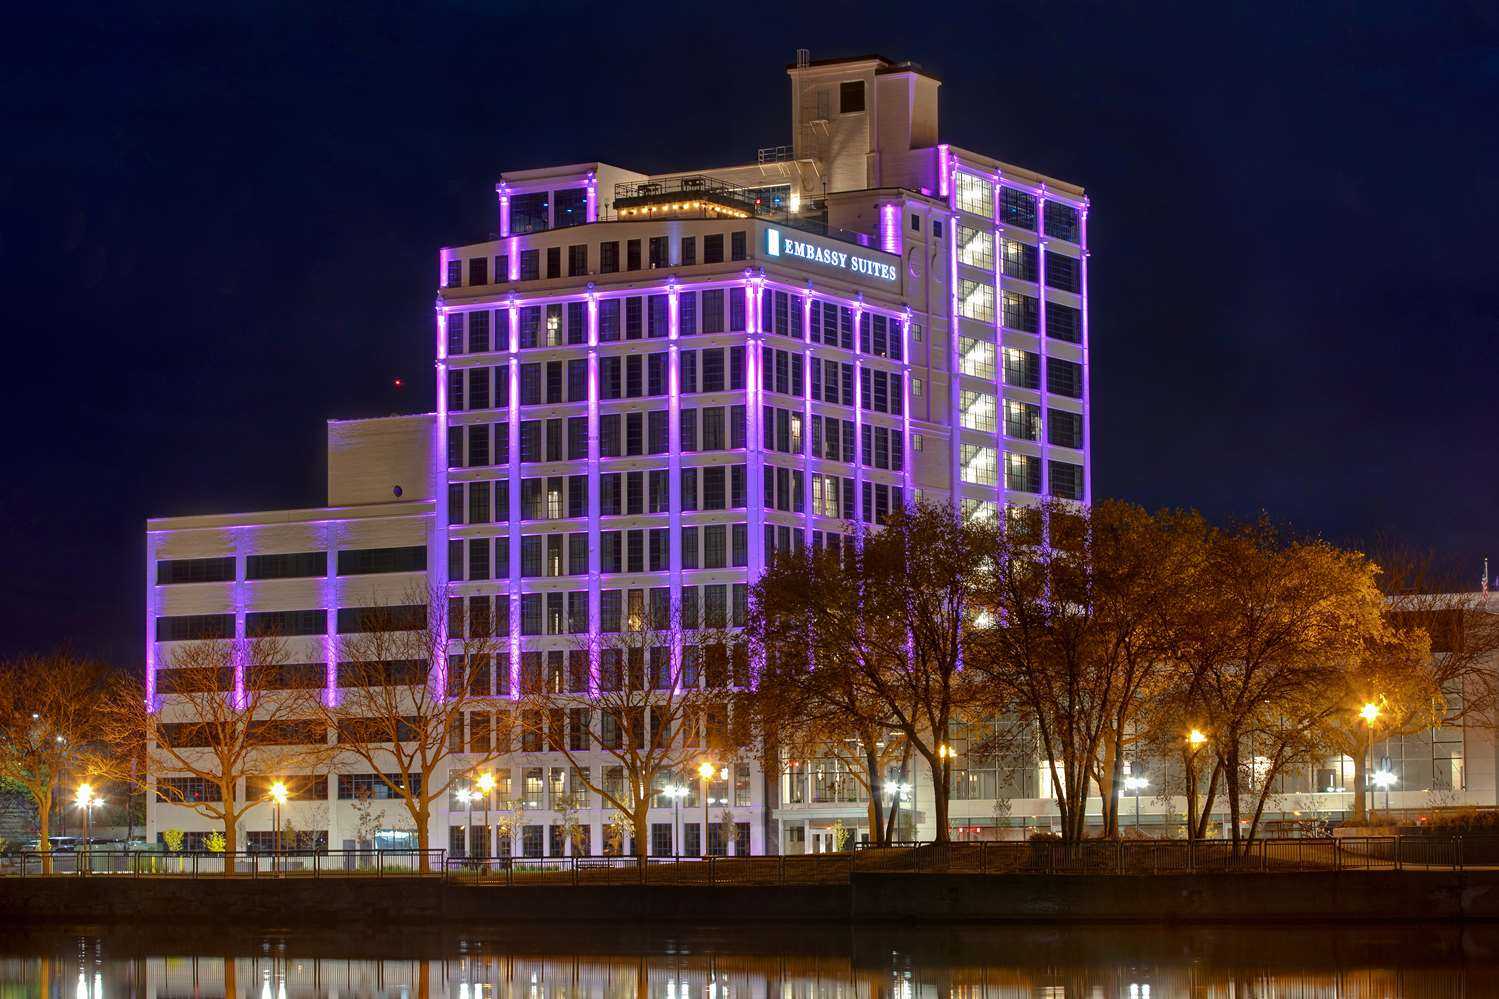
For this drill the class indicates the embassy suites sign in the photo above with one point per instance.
(779, 243)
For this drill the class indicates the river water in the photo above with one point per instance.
(631, 961)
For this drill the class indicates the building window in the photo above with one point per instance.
(1023, 473)
(978, 411)
(1017, 208)
(851, 97)
(1063, 272)
(1022, 312)
(976, 357)
(980, 464)
(1061, 221)
(1019, 259)
(712, 254)
(1066, 480)
(609, 257)
(974, 194)
(975, 247)
(738, 245)
(577, 260)
(976, 300)
(197, 570)
(455, 274)
(529, 213)
(572, 207)
(1064, 429)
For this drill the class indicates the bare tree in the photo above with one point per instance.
(661, 704)
(49, 708)
(812, 704)
(1275, 627)
(224, 715)
(407, 684)
(893, 621)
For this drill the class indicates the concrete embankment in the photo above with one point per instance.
(870, 898)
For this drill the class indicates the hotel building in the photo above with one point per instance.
(648, 384)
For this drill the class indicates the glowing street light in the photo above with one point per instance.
(1384, 779)
(278, 798)
(1369, 712)
(676, 792)
(1135, 785)
(485, 783)
(466, 796)
(86, 799)
(706, 770)
(1195, 738)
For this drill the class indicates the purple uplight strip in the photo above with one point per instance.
(595, 565)
(859, 455)
(1000, 485)
(513, 524)
(944, 171)
(504, 192)
(1087, 380)
(890, 231)
(954, 366)
(674, 465)
(512, 249)
(240, 698)
(808, 359)
(153, 609)
(1042, 350)
(592, 208)
(328, 592)
(905, 408)
(438, 532)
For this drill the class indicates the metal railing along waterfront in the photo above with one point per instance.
(1095, 857)
(219, 864)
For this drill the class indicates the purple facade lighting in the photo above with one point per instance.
(513, 524)
(859, 456)
(153, 610)
(437, 545)
(1042, 350)
(1087, 378)
(674, 473)
(328, 593)
(890, 231)
(241, 699)
(754, 442)
(944, 171)
(908, 456)
(592, 207)
(595, 564)
(504, 192)
(512, 251)
(808, 360)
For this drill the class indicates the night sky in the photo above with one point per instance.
(220, 229)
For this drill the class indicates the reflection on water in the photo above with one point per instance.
(601, 961)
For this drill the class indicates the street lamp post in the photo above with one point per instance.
(676, 792)
(278, 798)
(1195, 740)
(466, 797)
(1135, 785)
(706, 771)
(86, 800)
(1383, 779)
(1369, 713)
(485, 784)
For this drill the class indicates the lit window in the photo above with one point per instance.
(978, 410)
(976, 357)
(980, 464)
(976, 300)
(975, 248)
(975, 194)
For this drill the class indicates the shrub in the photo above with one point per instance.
(173, 838)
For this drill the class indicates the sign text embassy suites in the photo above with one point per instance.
(779, 244)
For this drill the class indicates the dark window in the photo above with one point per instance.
(1064, 377)
(554, 261)
(1061, 221)
(738, 247)
(658, 251)
(195, 570)
(365, 561)
(194, 627)
(529, 213)
(689, 250)
(259, 624)
(1017, 208)
(403, 617)
(478, 270)
(530, 265)
(1066, 480)
(455, 274)
(713, 250)
(1063, 428)
(632, 255)
(571, 207)
(1063, 322)
(608, 257)
(287, 565)
(851, 97)
(577, 260)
